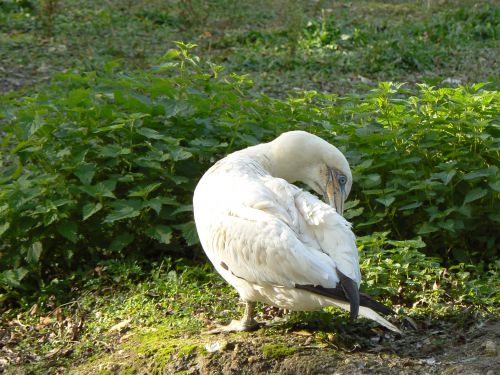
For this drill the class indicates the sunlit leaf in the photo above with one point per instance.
(144, 191)
(13, 277)
(149, 133)
(386, 201)
(124, 209)
(34, 252)
(90, 209)
(161, 233)
(3, 228)
(189, 232)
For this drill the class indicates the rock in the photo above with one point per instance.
(490, 348)
(120, 327)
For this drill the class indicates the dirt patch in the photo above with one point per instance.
(438, 348)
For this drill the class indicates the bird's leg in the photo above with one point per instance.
(247, 322)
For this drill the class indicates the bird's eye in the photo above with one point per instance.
(342, 179)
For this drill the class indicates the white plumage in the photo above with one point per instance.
(276, 243)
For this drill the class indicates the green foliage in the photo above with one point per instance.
(427, 165)
(104, 164)
(336, 44)
(399, 271)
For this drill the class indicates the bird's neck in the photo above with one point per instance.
(276, 163)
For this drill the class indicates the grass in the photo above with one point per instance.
(117, 298)
(337, 47)
(128, 315)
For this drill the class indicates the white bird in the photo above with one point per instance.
(276, 243)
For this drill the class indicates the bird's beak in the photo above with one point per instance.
(335, 193)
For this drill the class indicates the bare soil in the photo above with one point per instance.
(431, 348)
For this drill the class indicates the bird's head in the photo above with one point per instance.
(301, 156)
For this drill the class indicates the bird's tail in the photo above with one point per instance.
(371, 314)
(368, 307)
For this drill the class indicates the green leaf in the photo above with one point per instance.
(3, 228)
(149, 133)
(161, 233)
(111, 151)
(183, 208)
(427, 228)
(144, 191)
(449, 176)
(474, 195)
(121, 213)
(410, 206)
(371, 180)
(101, 189)
(495, 216)
(180, 154)
(353, 212)
(15, 174)
(13, 277)
(68, 229)
(495, 185)
(386, 201)
(121, 241)
(157, 203)
(177, 179)
(376, 219)
(85, 172)
(36, 124)
(480, 173)
(90, 209)
(171, 54)
(34, 252)
(124, 209)
(109, 128)
(189, 232)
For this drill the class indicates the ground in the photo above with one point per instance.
(435, 349)
(464, 342)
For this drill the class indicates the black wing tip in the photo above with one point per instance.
(377, 306)
(351, 291)
(339, 293)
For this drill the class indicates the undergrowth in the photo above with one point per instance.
(103, 165)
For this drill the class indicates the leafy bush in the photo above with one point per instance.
(427, 165)
(398, 270)
(103, 165)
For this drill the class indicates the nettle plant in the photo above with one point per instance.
(427, 165)
(103, 165)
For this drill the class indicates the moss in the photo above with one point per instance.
(275, 351)
(189, 349)
(149, 352)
